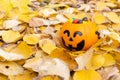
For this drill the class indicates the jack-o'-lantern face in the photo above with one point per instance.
(78, 36)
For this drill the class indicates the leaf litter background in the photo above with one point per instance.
(29, 40)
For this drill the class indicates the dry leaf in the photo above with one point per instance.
(10, 68)
(26, 75)
(22, 5)
(101, 5)
(3, 77)
(47, 45)
(99, 18)
(50, 78)
(96, 62)
(49, 30)
(31, 38)
(49, 67)
(65, 56)
(47, 12)
(35, 22)
(9, 56)
(61, 18)
(5, 6)
(108, 72)
(83, 59)
(23, 49)
(7, 24)
(10, 36)
(112, 16)
(109, 60)
(87, 75)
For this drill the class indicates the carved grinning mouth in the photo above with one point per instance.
(80, 45)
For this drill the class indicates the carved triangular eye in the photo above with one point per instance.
(67, 32)
(77, 33)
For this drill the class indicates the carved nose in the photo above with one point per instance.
(70, 39)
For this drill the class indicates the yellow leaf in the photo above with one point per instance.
(47, 45)
(27, 16)
(23, 49)
(3, 77)
(49, 66)
(10, 36)
(24, 17)
(10, 68)
(8, 24)
(31, 39)
(111, 4)
(96, 61)
(42, 28)
(21, 4)
(101, 27)
(83, 59)
(87, 75)
(99, 18)
(65, 56)
(116, 56)
(5, 5)
(2, 15)
(47, 12)
(112, 16)
(50, 78)
(15, 12)
(101, 5)
(57, 6)
(9, 56)
(116, 27)
(26, 75)
(109, 60)
(114, 36)
(9, 47)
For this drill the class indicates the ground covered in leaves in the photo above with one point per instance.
(30, 47)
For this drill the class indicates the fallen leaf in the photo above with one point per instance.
(49, 67)
(108, 73)
(5, 6)
(86, 75)
(23, 49)
(7, 24)
(10, 68)
(99, 18)
(10, 36)
(65, 56)
(50, 78)
(9, 56)
(61, 18)
(112, 16)
(83, 59)
(96, 62)
(26, 75)
(31, 39)
(47, 12)
(21, 4)
(3, 77)
(109, 60)
(47, 45)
